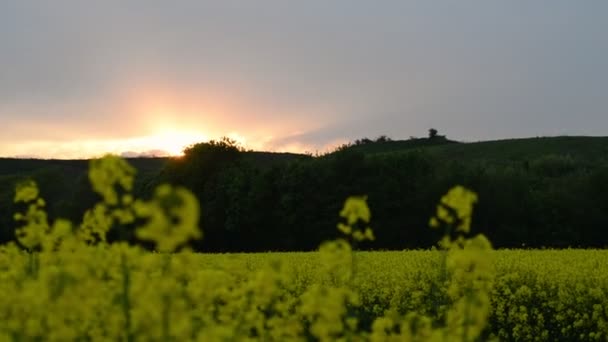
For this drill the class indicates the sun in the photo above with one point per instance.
(173, 142)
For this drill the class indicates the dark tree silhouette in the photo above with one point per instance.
(383, 138)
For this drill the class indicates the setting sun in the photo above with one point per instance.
(173, 142)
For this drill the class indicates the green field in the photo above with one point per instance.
(536, 295)
(589, 148)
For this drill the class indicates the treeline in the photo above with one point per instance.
(550, 201)
(292, 203)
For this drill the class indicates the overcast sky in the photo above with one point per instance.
(79, 78)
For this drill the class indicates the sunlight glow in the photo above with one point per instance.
(173, 141)
(163, 144)
(159, 120)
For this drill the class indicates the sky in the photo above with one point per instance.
(79, 78)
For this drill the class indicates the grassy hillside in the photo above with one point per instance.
(25, 167)
(399, 145)
(590, 148)
(508, 150)
(282, 201)
(60, 174)
(587, 148)
(13, 168)
(271, 158)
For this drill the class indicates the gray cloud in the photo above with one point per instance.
(329, 69)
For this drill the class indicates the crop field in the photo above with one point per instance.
(62, 281)
(116, 292)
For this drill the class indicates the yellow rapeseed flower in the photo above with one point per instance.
(173, 216)
(26, 192)
(108, 173)
(455, 208)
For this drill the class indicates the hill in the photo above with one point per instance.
(27, 167)
(589, 148)
(15, 167)
(541, 192)
(371, 147)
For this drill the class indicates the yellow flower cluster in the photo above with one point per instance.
(455, 209)
(64, 282)
(172, 216)
(356, 212)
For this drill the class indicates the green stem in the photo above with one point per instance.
(126, 302)
(352, 262)
(166, 299)
(166, 317)
(467, 313)
(33, 264)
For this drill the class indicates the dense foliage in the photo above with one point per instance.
(528, 198)
(546, 192)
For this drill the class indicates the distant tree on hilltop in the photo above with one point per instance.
(383, 138)
(434, 135)
(363, 141)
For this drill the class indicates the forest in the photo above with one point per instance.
(545, 192)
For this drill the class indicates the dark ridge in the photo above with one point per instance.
(534, 192)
